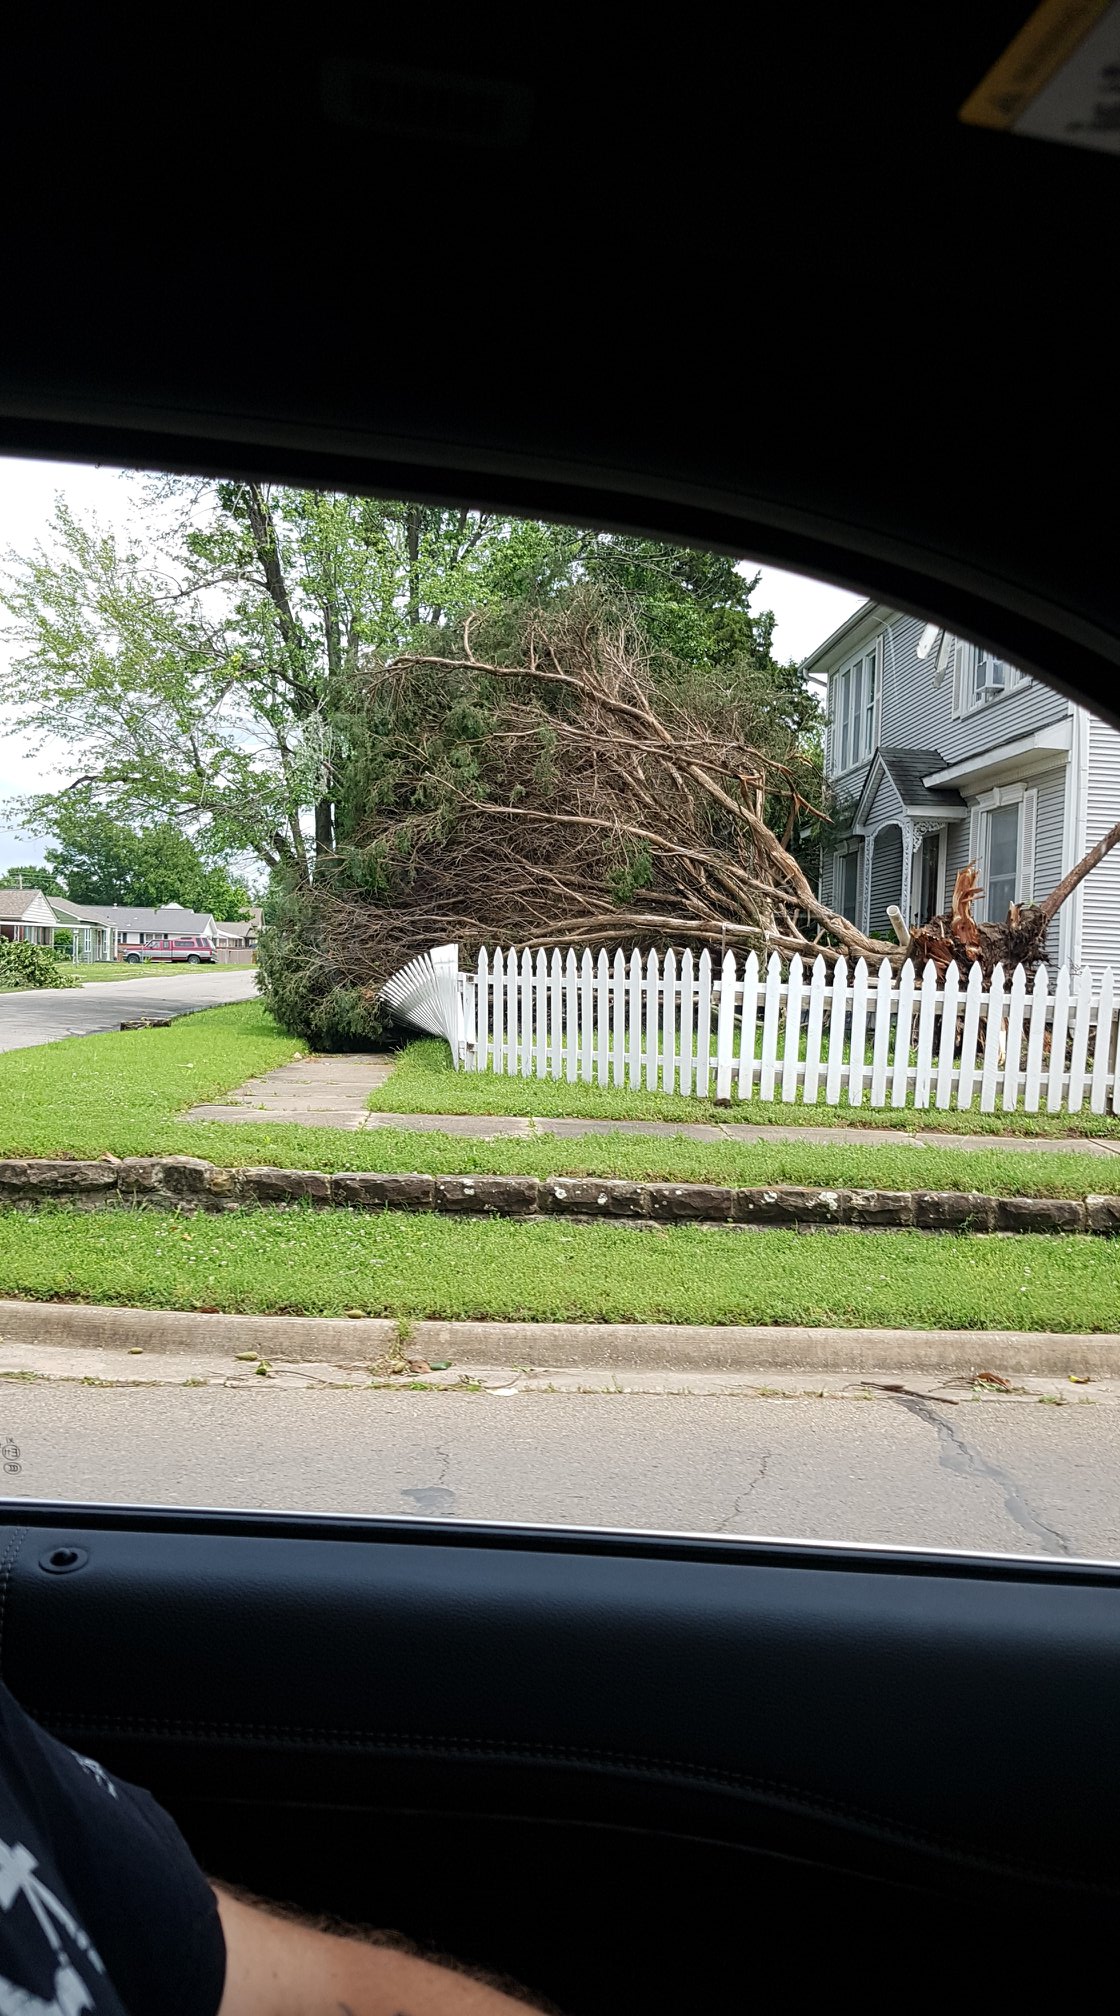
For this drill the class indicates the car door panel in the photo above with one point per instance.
(873, 1711)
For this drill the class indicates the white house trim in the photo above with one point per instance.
(966, 701)
(866, 799)
(854, 663)
(856, 629)
(1046, 749)
(1026, 798)
(1074, 835)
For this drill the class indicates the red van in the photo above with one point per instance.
(183, 951)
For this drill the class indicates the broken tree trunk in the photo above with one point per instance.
(956, 938)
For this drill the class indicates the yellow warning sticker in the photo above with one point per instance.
(1059, 79)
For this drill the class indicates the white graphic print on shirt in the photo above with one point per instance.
(71, 1995)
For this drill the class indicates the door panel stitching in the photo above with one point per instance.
(634, 1763)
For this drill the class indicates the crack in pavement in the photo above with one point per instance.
(736, 1511)
(955, 1454)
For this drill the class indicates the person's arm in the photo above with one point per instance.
(279, 1967)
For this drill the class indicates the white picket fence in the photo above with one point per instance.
(774, 1033)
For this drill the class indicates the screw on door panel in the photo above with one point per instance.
(63, 1560)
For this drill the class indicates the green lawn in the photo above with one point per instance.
(108, 969)
(390, 1264)
(424, 1082)
(123, 1093)
(77, 973)
(119, 1091)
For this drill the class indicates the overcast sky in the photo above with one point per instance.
(807, 610)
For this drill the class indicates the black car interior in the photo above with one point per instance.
(749, 285)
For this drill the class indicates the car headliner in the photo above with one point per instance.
(756, 288)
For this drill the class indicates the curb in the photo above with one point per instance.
(186, 1183)
(650, 1347)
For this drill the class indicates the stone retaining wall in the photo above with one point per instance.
(184, 1183)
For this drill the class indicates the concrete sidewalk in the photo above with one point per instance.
(333, 1091)
(309, 1092)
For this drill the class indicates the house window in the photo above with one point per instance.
(847, 884)
(1003, 860)
(929, 896)
(981, 677)
(854, 693)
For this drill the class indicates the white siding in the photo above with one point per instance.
(957, 855)
(1028, 706)
(916, 714)
(1100, 902)
(886, 804)
(1049, 825)
(886, 880)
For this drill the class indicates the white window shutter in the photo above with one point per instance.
(1028, 818)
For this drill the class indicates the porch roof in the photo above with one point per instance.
(907, 770)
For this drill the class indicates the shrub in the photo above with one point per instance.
(303, 986)
(23, 965)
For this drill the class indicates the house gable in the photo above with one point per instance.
(25, 906)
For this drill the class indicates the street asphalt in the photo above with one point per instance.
(997, 1475)
(46, 1015)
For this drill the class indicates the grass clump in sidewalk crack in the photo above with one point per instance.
(423, 1081)
(329, 1263)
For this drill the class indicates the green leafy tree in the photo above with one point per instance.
(33, 875)
(209, 673)
(200, 671)
(100, 861)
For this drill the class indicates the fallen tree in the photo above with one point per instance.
(552, 788)
(956, 938)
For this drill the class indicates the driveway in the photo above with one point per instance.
(46, 1015)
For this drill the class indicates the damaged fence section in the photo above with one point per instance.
(785, 1032)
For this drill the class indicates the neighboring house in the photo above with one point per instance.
(134, 926)
(26, 914)
(242, 935)
(93, 940)
(953, 757)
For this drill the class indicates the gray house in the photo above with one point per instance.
(937, 754)
(135, 927)
(91, 939)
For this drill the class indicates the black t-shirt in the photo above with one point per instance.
(103, 1910)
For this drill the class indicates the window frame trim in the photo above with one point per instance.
(1000, 798)
(966, 701)
(873, 649)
